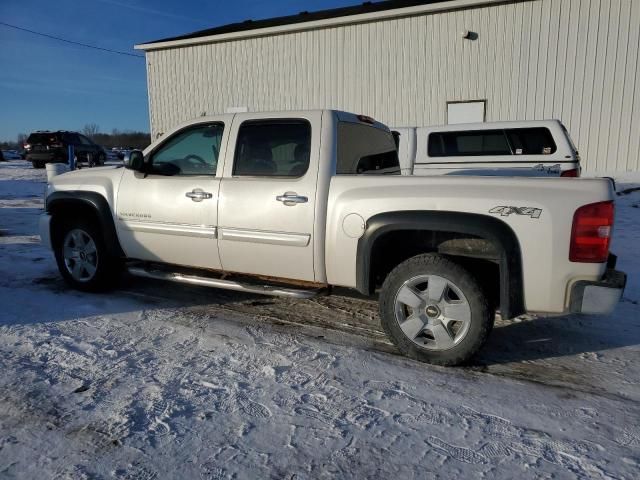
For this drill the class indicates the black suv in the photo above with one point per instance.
(53, 147)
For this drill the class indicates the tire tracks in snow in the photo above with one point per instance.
(341, 327)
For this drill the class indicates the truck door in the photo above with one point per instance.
(268, 195)
(169, 213)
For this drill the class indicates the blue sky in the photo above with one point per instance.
(46, 84)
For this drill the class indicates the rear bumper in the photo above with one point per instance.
(44, 226)
(598, 297)
(46, 157)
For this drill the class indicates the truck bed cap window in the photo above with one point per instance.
(531, 141)
(510, 141)
(469, 143)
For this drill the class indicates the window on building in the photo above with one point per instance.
(273, 148)
(366, 149)
(466, 112)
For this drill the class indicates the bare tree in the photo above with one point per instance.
(91, 130)
(22, 139)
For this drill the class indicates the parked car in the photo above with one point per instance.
(538, 148)
(112, 155)
(293, 203)
(44, 147)
(123, 153)
(11, 155)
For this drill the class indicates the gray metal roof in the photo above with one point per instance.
(302, 17)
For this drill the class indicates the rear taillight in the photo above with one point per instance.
(591, 233)
(574, 172)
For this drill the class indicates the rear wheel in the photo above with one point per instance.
(82, 257)
(434, 310)
(37, 164)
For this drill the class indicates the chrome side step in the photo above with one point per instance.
(225, 284)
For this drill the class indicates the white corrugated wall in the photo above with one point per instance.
(576, 60)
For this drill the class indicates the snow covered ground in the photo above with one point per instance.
(159, 381)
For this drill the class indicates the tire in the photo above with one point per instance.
(37, 164)
(101, 160)
(445, 315)
(87, 265)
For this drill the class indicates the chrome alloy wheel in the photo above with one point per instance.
(432, 312)
(80, 255)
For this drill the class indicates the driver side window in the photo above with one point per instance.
(193, 151)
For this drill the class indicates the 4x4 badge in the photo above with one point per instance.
(528, 211)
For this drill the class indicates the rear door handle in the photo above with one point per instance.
(291, 198)
(197, 195)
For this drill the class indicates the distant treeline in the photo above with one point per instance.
(10, 146)
(125, 139)
(117, 138)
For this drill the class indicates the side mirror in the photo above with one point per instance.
(134, 160)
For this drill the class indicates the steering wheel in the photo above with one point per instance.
(195, 157)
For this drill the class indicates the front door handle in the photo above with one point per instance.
(291, 198)
(197, 195)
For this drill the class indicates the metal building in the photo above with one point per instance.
(412, 63)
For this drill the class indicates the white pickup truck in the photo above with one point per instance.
(293, 203)
(532, 148)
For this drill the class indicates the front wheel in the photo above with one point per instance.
(82, 257)
(434, 310)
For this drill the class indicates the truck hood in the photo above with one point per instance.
(86, 175)
(102, 180)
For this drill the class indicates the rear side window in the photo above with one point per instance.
(273, 148)
(84, 140)
(469, 143)
(366, 149)
(71, 138)
(531, 141)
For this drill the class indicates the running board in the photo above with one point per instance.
(225, 284)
